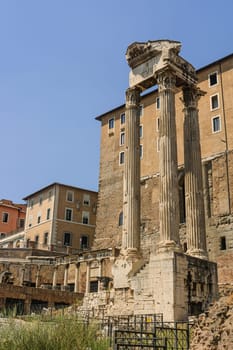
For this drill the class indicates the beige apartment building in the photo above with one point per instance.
(61, 218)
(216, 136)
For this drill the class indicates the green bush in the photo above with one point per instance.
(61, 334)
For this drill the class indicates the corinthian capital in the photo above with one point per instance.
(166, 80)
(132, 97)
(191, 96)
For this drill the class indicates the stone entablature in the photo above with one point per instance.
(148, 59)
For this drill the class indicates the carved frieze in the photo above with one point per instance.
(138, 53)
(147, 59)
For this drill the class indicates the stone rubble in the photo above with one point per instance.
(213, 330)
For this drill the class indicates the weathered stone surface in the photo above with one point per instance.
(212, 330)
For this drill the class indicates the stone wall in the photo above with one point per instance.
(217, 194)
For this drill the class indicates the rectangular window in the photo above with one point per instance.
(223, 245)
(67, 239)
(214, 102)
(46, 235)
(48, 213)
(50, 195)
(122, 118)
(40, 200)
(141, 110)
(122, 157)
(37, 240)
(31, 203)
(157, 103)
(111, 123)
(93, 286)
(84, 242)
(38, 219)
(122, 138)
(157, 124)
(5, 217)
(213, 78)
(85, 217)
(141, 151)
(70, 196)
(21, 223)
(86, 199)
(140, 131)
(68, 214)
(216, 124)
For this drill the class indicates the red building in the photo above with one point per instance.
(12, 217)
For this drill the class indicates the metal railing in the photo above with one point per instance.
(124, 340)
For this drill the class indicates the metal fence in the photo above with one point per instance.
(124, 332)
(150, 330)
(128, 340)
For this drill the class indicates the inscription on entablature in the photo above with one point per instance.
(144, 71)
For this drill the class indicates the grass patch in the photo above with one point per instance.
(61, 334)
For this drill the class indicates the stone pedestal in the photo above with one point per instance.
(171, 283)
(123, 269)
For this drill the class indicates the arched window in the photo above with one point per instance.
(121, 218)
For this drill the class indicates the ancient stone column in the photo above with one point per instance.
(38, 276)
(100, 275)
(131, 208)
(194, 202)
(169, 196)
(54, 277)
(22, 273)
(88, 277)
(27, 305)
(65, 283)
(76, 278)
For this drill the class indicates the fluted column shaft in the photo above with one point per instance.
(100, 275)
(131, 208)
(55, 277)
(194, 200)
(37, 277)
(65, 283)
(169, 197)
(88, 277)
(76, 278)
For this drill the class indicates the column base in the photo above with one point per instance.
(131, 253)
(167, 246)
(198, 253)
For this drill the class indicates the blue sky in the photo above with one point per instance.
(62, 63)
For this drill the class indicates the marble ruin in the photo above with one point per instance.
(160, 285)
(127, 279)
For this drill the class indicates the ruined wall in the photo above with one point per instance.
(27, 274)
(218, 194)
